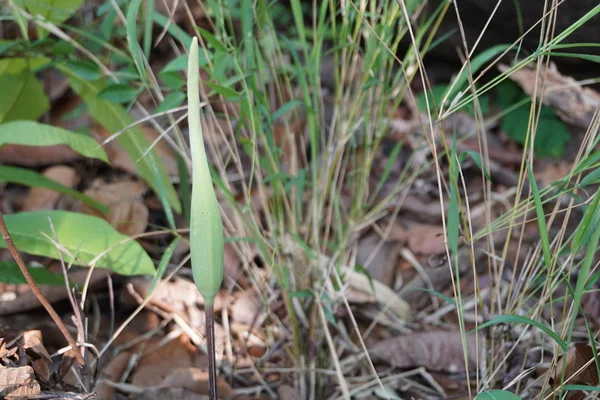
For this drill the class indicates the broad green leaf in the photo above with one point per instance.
(22, 97)
(11, 274)
(114, 118)
(180, 63)
(54, 11)
(507, 319)
(497, 395)
(85, 69)
(18, 65)
(30, 133)
(84, 236)
(172, 100)
(212, 40)
(226, 92)
(27, 177)
(551, 135)
(118, 93)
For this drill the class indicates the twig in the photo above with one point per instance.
(36, 291)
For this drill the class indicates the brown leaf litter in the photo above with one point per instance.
(128, 213)
(578, 366)
(47, 199)
(439, 351)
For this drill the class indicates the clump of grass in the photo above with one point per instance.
(296, 161)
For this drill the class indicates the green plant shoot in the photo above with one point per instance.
(206, 227)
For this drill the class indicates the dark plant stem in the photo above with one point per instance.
(209, 312)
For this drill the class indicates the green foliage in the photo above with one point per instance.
(89, 239)
(551, 136)
(30, 133)
(114, 118)
(118, 93)
(11, 274)
(54, 11)
(22, 96)
(497, 395)
(506, 319)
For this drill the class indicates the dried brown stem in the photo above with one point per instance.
(36, 291)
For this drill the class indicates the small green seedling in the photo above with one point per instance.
(206, 227)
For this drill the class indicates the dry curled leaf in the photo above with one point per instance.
(248, 309)
(128, 213)
(426, 239)
(18, 383)
(379, 258)
(46, 199)
(160, 358)
(177, 295)
(578, 365)
(112, 372)
(34, 156)
(38, 355)
(437, 351)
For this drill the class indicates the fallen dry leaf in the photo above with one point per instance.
(176, 296)
(34, 156)
(383, 293)
(112, 372)
(18, 383)
(552, 172)
(159, 359)
(196, 381)
(128, 213)
(248, 309)
(46, 199)
(437, 351)
(426, 239)
(575, 369)
(380, 259)
(39, 356)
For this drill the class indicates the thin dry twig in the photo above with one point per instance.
(36, 291)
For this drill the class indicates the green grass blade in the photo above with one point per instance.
(134, 46)
(508, 319)
(162, 266)
(541, 218)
